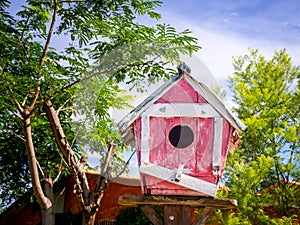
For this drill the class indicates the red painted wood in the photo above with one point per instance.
(163, 153)
(181, 92)
(156, 186)
(205, 138)
(197, 157)
(227, 135)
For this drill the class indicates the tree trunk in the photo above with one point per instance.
(48, 216)
(90, 201)
(77, 168)
(44, 202)
(87, 218)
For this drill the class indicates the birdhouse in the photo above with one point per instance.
(182, 133)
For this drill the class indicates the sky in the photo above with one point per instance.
(227, 28)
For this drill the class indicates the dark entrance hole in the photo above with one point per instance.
(181, 136)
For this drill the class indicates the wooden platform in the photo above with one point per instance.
(177, 208)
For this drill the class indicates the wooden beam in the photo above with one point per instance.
(192, 201)
(152, 214)
(205, 214)
(177, 215)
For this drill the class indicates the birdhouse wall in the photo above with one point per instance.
(182, 92)
(162, 146)
(196, 157)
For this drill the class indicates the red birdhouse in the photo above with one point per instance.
(182, 133)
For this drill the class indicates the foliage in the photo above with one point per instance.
(132, 216)
(220, 92)
(262, 173)
(48, 48)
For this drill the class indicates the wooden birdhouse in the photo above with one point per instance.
(182, 133)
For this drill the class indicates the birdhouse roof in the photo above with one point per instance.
(125, 125)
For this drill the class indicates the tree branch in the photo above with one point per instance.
(50, 32)
(45, 50)
(40, 168)
(14, 101)
(43, 201)
(103, 180)
(126, 165)
(61, 108)
(67, 151)
(77, 133)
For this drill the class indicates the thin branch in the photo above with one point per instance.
(108, 70)
(24, 49)
(62, 106)
(15, 102)
(126, 165)
(109, 157)
(25, 99)
(16, 114)
(40, 168)
(59, 172)
(50, 32)
(43, 57)
(63, 159)
(19, 136)
(103, 179)
(77, 133)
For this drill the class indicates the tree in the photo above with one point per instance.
(39, 82)
(262, 173)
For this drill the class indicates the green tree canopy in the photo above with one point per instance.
(263, 173)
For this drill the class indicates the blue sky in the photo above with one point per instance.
(253, 18)
(227, 28)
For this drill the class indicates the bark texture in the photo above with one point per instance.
(89, 200)
(43, 200)
(48, 216)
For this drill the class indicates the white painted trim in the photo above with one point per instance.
(203, 110)
(185, 181)
(217, 147)
(148, 102)
(145, 140)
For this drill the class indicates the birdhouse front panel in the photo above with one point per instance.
(176, 145)
(182, 135)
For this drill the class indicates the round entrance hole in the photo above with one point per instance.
(181, 136)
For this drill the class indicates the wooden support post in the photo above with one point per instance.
(152, 215)
(177, 215)
(204, 216)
